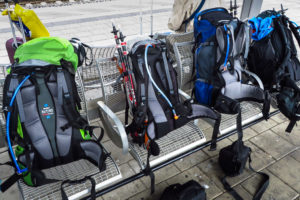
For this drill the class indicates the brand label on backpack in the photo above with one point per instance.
(47, 111)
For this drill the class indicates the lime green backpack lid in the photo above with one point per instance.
(47, 49)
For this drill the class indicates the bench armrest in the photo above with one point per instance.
(184, 95)
(113, 127)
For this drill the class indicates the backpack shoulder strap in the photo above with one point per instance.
(295, 30)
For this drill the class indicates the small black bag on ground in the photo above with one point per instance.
(191, 190)
(233, 159)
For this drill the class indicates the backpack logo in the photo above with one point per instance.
(47, 111)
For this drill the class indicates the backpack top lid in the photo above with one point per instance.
(206, 21)
(262, 25)
(48, 50)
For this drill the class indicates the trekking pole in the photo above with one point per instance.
(231, 8)
(11, 24)
(128, 84)
(141, 17)
(21, 24)
(235, 9)
(151, 20)
(127, 64)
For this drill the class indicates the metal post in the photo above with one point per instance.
(141, 17)
(11, 24)
(151, 19)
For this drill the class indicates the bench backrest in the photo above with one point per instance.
(180, 48)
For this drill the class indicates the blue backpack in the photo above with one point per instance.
(221, 48)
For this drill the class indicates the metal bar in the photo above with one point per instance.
(141, 17)
(170, 161)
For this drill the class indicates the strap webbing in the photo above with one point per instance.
(213, 145)
(74, 182)
(61, 85)
(9, 182)
(149, 172)
(247, 41)
(12, 87)
(263, 185)
(229, 189)
(166, 67)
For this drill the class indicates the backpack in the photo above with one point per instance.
(41, 105)
(221, 48)
(158, 100)
(273, 57)
(190, 190)
(159, 108)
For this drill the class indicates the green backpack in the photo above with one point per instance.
(41, 105)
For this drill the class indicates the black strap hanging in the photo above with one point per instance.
(259, 192)
(80, 181)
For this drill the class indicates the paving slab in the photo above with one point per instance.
(145, 195)
(289, 175)
(248, 133)
(12, 193)
(191, 160)
(196, 174)
(264, 125)
(277, 190)
(239, 189)
(273, 144)
(223, 143)
(260, 160)
(116, 153)
(296, 154)
(160, 175)
(292, 137)
(126, 170)
(126, 191)
(279, 118)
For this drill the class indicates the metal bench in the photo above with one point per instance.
(75, 170)
(181, 45)
(111, 108)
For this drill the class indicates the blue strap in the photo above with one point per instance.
(228, 46)
(194, 13)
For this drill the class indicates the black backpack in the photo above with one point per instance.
(191, 190)
(273, 57)
(221, 48)
(159, 108)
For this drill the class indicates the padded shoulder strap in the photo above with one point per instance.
(201, 111)
(12, 87)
